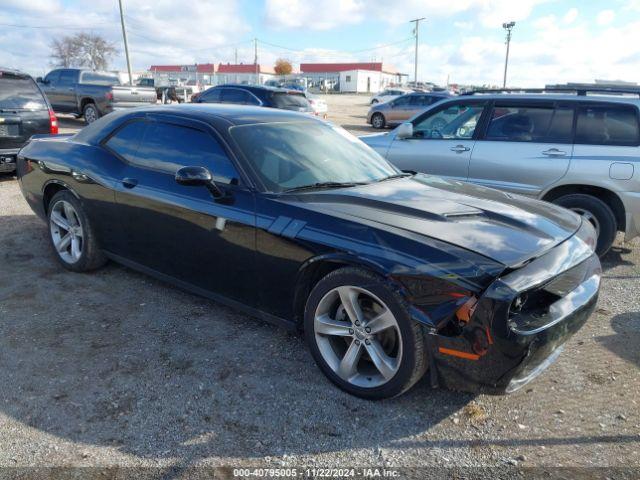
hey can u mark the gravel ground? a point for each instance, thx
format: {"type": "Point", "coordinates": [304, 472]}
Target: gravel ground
{"type": "Point", "coordinates": [114, 368]}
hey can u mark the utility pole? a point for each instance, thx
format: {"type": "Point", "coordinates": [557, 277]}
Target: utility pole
{"type": "Point", "coordinates": [126, 44]}
{"type": "Point", "coordinates": [415, 66]}
{"type": "Point", "coordinates": [508, 27]}
{"type": "Point", "coordinates": [255, 60]}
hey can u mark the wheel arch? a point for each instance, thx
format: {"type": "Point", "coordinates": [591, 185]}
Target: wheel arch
{"type": "Point", "coordinates": [607, 196]}
{"type": "Point", "coordinates": [52, 187]}
{"type": "Point", "coordinates": [315, 268]}
{"type": "Point", "coordinates": [84, 101]}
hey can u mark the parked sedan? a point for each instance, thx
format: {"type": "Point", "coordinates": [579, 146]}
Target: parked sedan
{"type": "Point", "coordinates": [24, 111]}
{"type": "Point", "coordinates": [258, 95]}
{"type": "Point", "coordinates": [296, 221]}
{"type": "Point", "coordinates": [402, 108]}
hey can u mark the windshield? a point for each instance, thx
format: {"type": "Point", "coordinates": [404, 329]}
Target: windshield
{"type": "Point", "coordinates": [99, 78]}
{"type": "Point", "coordinates": [291, 101]}
{"type": "Point", "coordinates": [19, 92]}
{"type": "Point", "coordinates": [289, 155]}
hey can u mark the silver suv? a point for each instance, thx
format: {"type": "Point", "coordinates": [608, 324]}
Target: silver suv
{"type": "Point", "coordinates": [576, 150]}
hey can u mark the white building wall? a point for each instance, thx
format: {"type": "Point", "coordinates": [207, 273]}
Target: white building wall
{"type": "Point", "coordinates": [360, 81]}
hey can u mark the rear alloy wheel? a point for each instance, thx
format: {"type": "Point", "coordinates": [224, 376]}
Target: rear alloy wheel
{"type": "Point", "coordinates": [362, 336]}
{"type": "Point", "coordinates": [598, 213]}
{"type": "Point", "coordinates": [378, 121]}
{"type": "Point", "coordinates": [71, 234]}
{"type": "Point", "coordinates": [90, 113]}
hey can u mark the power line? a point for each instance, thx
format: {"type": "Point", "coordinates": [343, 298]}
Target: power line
{"type": "Point", "coordinates": [54, 27]}
{"type": "Point", "coordinates": [342, 51]}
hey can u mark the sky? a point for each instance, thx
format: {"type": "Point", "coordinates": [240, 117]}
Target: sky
{"type": "Point", "coordinates": [461, 40]}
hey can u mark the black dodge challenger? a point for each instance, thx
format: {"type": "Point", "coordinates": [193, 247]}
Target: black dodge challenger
{"type": "Point", "coordinates": [389, 274]}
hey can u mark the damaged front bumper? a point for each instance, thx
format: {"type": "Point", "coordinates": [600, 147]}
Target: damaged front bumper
{"type": "Point", "coordinates": [522, 321]}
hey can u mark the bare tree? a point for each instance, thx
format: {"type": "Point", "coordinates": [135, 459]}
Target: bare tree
{"type": "Point", "coordinates": [82, 50]}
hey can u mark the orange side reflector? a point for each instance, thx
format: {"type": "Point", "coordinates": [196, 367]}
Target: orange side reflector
{"type": "Point", "coordinates": [458, 353]}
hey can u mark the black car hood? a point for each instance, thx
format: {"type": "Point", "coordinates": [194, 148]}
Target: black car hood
{"type": "Point", "coordinates": [507, 228]}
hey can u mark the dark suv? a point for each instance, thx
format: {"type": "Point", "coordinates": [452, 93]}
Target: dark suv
{"type": "Point", "coordinates": [258, 95]}
{"type": "Point", "coordinates": [24, 111]}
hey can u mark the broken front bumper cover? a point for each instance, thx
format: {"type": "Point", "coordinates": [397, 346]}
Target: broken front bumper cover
{"type": "Point", "coordinates": [503, 349]}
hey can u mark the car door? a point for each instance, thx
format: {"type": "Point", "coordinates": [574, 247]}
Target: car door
{"type": "Point", "coordinates": [606, 143]}
{"type": "Point", "coordinates": [50, 88]}
{"type": "Point", "coordinates": [443, 139]}
{"type": "Point", "coordinates": [398, 109]}
{"type": "Point", "coordinates": [526, 147]}
{"type": "Point", "coordinates": [66, 91]}
{"type": "Point", "coordinates": [183, 231]}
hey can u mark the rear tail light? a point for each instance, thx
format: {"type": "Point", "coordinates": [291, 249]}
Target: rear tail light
{"type": "Point", "coordinates": [108, 96]}
{"type": "Point", "coordinates": [53, 123]}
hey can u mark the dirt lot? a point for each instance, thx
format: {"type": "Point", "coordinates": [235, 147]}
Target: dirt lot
{"type": "Point", "coordinates": [116, 369]}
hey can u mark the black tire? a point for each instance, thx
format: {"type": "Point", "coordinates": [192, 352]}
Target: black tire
{"type": "Point", "coordinates": [602, 215]}
{"type": "Point", "coordinates": [378, 120]}
{"type": "Point", "coordinates": [90, 113]}
{"type": "Point", "coordinates": [91, 257]}
{"type": "Point", "coordinates": [413, 361]}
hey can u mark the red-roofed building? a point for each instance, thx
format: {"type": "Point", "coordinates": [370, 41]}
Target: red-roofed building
{"type": "Point", "coordinates": [244, 73]}
{"type": "Point", "coordinates": [352, 77]}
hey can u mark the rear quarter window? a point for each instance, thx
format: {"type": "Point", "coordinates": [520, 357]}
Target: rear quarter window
{"type": "Point", "coordinates": [608, 125]}
{"type": "Point", "coordinates": [20, 92]}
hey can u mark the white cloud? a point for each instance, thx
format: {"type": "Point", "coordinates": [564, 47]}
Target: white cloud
{"type": "Point", "coordinates": [160, 31]}
{"type": "Point", "coordinates": [570, 16]}
{"type": "Point", "coordinates": [323, 15]}
{"type": "Point", "coordinates": [326, 14]}
{"type": "Point", "coordinates": [605, 17]}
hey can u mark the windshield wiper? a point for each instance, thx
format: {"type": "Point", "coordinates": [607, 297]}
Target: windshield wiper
{"type": "Point", "coordinates": [397, 175]}
{"type": "Point", "coordinates": [322, 185]}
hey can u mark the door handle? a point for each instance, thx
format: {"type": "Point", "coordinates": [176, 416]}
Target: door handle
{"type": "Point", "coordinates": [129, 182]}
{"type": "Point", "coordinates": [459, 149]}
{"type": "Point", "coordinates": [70, 89]}
{"type": "Point", "coordinates": [554, 152]}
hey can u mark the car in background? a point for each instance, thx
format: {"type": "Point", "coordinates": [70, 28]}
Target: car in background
{"type": "Point", "coordinates": [294, 220]}
{"type": "Point", "coordinates": [319, 106]}
{"type": "Point", "coordinates": [576, 150]}
{"type": "Point", "coordinates": [256, 95]}
{"type": "Point", "coordinates": [388, 94]}
{"type": "Point", "coordinates": [24, 111]}
{"type": "Point", "coordinates": [396, 111]}
{"type": "Point", "coordinates": [92, 94]}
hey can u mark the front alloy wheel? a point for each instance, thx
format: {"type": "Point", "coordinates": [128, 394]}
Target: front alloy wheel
{"type": "Point", "coordinates": [361, 334]}
{"type": "Point", "coordinates": [358, 336]}
{"type": "Point", "coordinates": [378, 121]}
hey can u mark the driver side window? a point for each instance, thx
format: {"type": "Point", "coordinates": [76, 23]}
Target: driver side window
{"type": "Point", "coordinates": [453, 122]}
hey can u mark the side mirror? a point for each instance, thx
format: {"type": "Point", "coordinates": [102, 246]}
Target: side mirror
{"type": "Point", "coordinates": [405, 130]}
{"type": "Point", "coordinates": [198, 177]}
{"type": "Point", "coordinates": [40, 80]}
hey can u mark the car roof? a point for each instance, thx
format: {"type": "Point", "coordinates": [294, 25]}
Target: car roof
{"type": "Point", "coordinates": [13, 71]}
{"type": "Point", "coordinates": [555, 97]}
{"type": "Point", "coordinates": [255, 87]}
